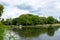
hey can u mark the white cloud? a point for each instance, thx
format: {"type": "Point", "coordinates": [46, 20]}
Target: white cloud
{"type": "Point", "coordinates": [45, 7]}
{"type": "Point", "coordinates": [12, 12]}
{"type": "Point", "coordinates": [57, 5]}
{"type": "Point", "coordinates": [11, 2]}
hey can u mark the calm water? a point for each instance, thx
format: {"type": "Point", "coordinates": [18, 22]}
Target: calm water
{"type": "Point", "coordinates": [51, 33]}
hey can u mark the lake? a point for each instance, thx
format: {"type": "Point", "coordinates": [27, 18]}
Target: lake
{"type": "Point", "coordinates": [42, 33]}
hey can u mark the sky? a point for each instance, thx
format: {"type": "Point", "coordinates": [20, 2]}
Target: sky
{"type": "Point", "coordinates": [15, 8]}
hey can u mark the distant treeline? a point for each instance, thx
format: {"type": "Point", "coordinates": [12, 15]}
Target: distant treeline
{"type": "Point", "coordinates": [29, 19]}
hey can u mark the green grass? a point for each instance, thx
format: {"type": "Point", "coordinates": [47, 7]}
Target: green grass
{"type": "Point", "coordinates": [3, 28]}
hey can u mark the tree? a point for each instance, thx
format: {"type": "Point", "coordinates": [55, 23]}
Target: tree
{"type": "Point", "coordinates": [2, 21]}
{"type": "Point", "coordinates": [56, 21]}
{"type": "Point", "coordinates": [43, 20]}
{"type": "Point", "coordinates": [25, 19]}
{"type": "Point", "coordinates": [35, 19]}
{"type": "Point", "coordinates": [8, 22]}
{"type": "Point", "coordinates": [29, 19]}
{"type": "Point", "coordinates": [1, 9]}
{"type": "Point", "coordinates": [50, 20]}
{"type": "Point", "coordinates": [15, 21]}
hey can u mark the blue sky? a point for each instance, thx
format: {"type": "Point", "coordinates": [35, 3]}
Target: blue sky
{"type": "Point", "coordinates": [14, 8]}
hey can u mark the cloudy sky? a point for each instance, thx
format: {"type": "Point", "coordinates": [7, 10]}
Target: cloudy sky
{"type": "Point", "coordinates": [14, 8]}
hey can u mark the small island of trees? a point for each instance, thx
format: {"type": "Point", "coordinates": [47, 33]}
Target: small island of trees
{"type": "Point", "coordinates": [29, 19]}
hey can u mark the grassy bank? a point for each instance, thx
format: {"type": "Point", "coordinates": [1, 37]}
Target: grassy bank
{"type": "Point", "coordinates": [33, 26]}
{"type": "Point", "coordinates": [44, 25]}
{"type": "Point", "coordinates": [3, 28]}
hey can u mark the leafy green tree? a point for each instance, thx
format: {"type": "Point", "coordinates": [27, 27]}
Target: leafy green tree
{"type": "Point", "coordinates": [1, 9]}
{"type": "Point", "coordinates": [25, 19]}
{"type": "Point", "coordinates": [35, 19]}
{"type": "Point", "coordinates": [8, 22]}
{"type": "Point", "coordinates": [50, 20]}
{"type": "Point", "coordinates": [2, 21]}
{"type": "Point", "coordinates": [55, 20]}
{"type": "Point", "coordinates": [15, 21]}
{"type": "Point", "coordinates": [42, 20]}
{"type": "Point", "coordinates": [2, 27]}
{"type": "Point", "coordinates": [29, 19]}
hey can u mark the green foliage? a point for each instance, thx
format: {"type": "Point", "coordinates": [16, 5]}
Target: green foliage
{"type": "Point", "coordinates": [36, 31]}
{"type": "Point", "coordinates": [42, 20]}
{"type": "Point", "coordinates": [2, 31]}
{"type": "Point", "coordinates": [50, 20]}
{"type": "Point", "coordinates": [35, 20]}
{"type": "Point", "coordinates": [7, 22]}
{"type": "Point", "coordinates": [1, 9]}
{"type": "Point", "coordinates": [15, 21]}
{"type": "Point", "coordinates": [25, 19]}
{"type": "Point", "coordinates": [29, 19]}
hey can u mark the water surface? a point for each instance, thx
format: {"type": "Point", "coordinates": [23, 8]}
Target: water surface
{"type": "Point", "coordinates": [50, 33]}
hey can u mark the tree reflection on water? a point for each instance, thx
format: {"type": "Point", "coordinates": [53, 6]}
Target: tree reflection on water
{"type": "Point", "coordinates": [34, 32]}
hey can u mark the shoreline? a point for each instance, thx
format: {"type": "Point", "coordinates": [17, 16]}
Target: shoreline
{"type": "Point", "coordinates": [44, 25]}
{"type": "Point", "coordinates": [34, 26]}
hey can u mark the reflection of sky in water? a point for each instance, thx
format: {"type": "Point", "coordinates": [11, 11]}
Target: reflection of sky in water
{"type": "Point", "coordinates": [46, 37]}
{"type": "Point", "coordinates": [12, 33]}
{"type": "Point", "coordinates": [43, 36]}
